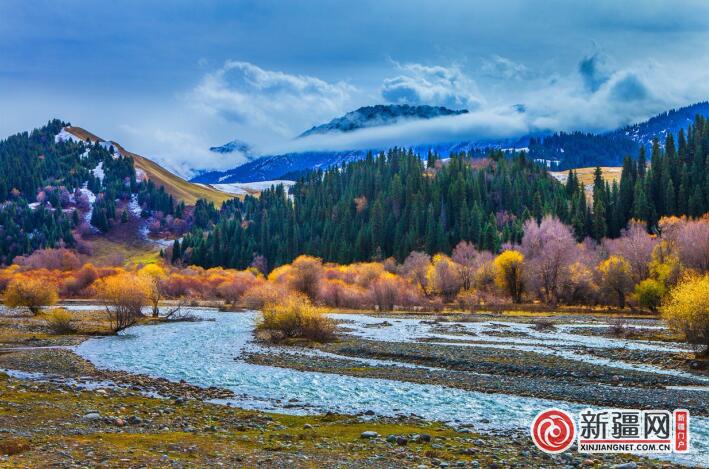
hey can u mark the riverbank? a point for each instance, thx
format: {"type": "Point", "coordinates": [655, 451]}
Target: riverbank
{"type": "Point", "coordinates": [74, 414]}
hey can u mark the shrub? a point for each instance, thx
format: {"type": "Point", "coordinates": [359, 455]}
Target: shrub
{"type": "Point", "coordinates": [468, 300]}
{"type": "Point", "coordinates": [302, 275]}
{"type": "Point", "coordinates": [648, 293]}
{"type": "Point", "coordinates": [305, 275]}
{"type": "Point", "coordinates": [686, 309]}
{"type": "Point", "coordinates": [83, 278]}
{"type": "Point", "coordinates": [338, 294]}
{"type": "Point", "coordinates": [233, 289]}
{"type": "Point", "coordinates": [31, 293]}
{"type": "Point", "coordinates": [52, 259]}
{"type": "Point", "coordinates": [13, 445]}
{"type": "Point", "coordinates": [261, 294]}
{"type": "Point", "coordinates": [295, 317]}
{"type": "Point", "coordinates": [509, 273]}
{"type": "Point", "coordinates": [59, 321]}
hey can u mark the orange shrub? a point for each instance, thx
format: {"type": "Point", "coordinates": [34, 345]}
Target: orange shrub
{"type": "Point", "coordinates": [234, 287]}
{"type": "Point", "coordinates": [263, 293]}
{"type": "Point", "coordinates": [30, 292]}
{"type": "Point", "coordinates": [77, 284]}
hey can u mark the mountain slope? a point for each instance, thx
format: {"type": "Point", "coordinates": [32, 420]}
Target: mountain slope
{"type": "Point", "coordinates": [665, 123]}
{"type": "Point", "coordinates": [174, 185]}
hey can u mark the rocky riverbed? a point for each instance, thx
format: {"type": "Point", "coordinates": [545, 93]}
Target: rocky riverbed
{"type": "Point", "coordinates": [61, 410]}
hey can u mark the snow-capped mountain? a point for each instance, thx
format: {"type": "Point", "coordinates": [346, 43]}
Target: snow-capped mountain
{"type": "Point", "coordinates": [234, 146]}
{"type": "Point", "coordinates": [381, 114]}
{"type": "Point", "coordinates": [558, 150]}
{"type": "Point", "coordinates": [663, 124]}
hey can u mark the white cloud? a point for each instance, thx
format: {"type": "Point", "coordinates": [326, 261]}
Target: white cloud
{"type": "Point", "coordinates": [434, 85]}
{"type": "Point", "coordinates": [283, 103]}
{"type": "Point", "coordinates": [179, 151]}
{"type": "Point", "coordinates": [477, 125]}
{"type": "Point", "coordinates": [503, 68]}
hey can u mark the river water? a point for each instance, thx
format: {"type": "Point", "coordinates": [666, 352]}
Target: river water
{"type": "Point", "coordinates": [208, 353]}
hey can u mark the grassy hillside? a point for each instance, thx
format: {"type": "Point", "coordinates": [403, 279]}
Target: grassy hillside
{"type": "Point", "coordinates": [175, 185]}
{"type": "Point", "coordinates": [585, 175]}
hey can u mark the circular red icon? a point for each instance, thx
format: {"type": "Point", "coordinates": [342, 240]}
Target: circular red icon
{"type": "Point", "coordinates": [553, 431]}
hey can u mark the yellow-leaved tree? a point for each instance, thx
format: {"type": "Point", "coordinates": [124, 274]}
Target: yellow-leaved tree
{"type": "Point", "coordinates": [686, 309]}
{"type": "Point", "coordinates": [154, 277]}
{"type": "Point", "coordinates": [31, 293]}
{"type": "Point", "coordinates": [616, 278]}
{"type": "Point", "coordinates": [508, 276]}
{"type": "Point", "coordinates": [124, 296]}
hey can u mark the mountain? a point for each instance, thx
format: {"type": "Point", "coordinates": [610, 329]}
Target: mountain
{"type": "Point", "coordinates": [174, 185]}
{"type": "Point", "coordinates": [665, 123]}
{"type": "Point", "coordinates": [379, 115]}
{"type": "Point", "coordinates": [234, 146]}
{"type": "Point", "coordinates": [559, 151]}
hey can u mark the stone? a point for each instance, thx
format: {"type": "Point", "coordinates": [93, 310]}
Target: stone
{"type": "Point", "coordinates": [627, 465]}
{"type": "Point", "coordinates": [135, 420]}
{"type": "Point", "coordinates": [401, 441]}
{"type": "Point", "coordinates": [369, 412]}
{"type": "Point", "coordinates": [307, 426]}
{"type": "Point", "coordinates": [119, 422]}
{"type": "Point", "coordinates": [92, 416]}
{"type": "Point", "coordinates": [369, 434]}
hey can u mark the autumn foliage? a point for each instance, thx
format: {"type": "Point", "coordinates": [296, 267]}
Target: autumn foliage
{"type": "Point", "coordinates": [686, 309]}
{"type": "Point", "coordinates": [31, 293]}
{"type": "Point", "coordinates": [295, 317]}
{"type": "Point", "coordinates": [548, 266]}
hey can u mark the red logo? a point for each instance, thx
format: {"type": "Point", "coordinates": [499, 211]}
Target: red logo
{"type": "Point", "coordinates": [553, 431]}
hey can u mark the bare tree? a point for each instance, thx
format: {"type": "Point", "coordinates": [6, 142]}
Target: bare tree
{"type": "Point", "coordinates": [548, 248]}
{"type": "Point", "coordinates": [415, 267]}
{"type": "Point", "coordinates": [635, 245]}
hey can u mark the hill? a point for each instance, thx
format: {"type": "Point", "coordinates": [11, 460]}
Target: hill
{"type": "Point", "coordinates": [179, 188]}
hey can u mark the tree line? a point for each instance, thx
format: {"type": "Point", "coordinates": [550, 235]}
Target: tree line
{"type": "Point", "coordinates": [395, 203]}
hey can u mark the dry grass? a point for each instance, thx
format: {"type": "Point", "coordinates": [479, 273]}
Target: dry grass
{"type": "Point", "coordinates": [175, 185]}
{"type": "Point", "coordinates": [585, 175]}
{"type": "Point", "coordinates": [60, 321]}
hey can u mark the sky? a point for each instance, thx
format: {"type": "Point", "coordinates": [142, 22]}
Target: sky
{"type": "Point", "coordinates": [170, 79]}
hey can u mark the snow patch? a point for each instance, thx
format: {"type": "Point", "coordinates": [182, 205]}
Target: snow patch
{"type": "Point", "coordinates": [134, 206]}
{"type": "Point", "coordinates": [64, 136]}
{"type": "Point", "coordinates": [92, 199]}
{"type": "Point", "coordinates": [98, 171]}
{"type": "Point", "coordinates": [140, 175]}
{"type": "Point", "coordinates": [242, 188]}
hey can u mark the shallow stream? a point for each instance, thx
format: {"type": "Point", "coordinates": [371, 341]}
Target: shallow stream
{"type": "Point", "coordinates": [208, 353]}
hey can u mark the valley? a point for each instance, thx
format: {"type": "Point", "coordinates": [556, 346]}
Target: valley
{"type": "Point", "coordinates": [173, 393]}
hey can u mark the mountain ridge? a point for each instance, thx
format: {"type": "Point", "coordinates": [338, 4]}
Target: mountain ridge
{"type": "Point", "coordinates": [380, 115]}
{"type": "Point", "coordinates": [559, 151]}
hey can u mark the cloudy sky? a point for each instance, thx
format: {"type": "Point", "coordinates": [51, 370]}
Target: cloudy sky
{"type": "Point", "coordinates": [170, 79]}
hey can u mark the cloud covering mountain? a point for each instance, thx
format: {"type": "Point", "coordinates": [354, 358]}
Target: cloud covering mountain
{"type": "Point", "coordinates": [173, 80]}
